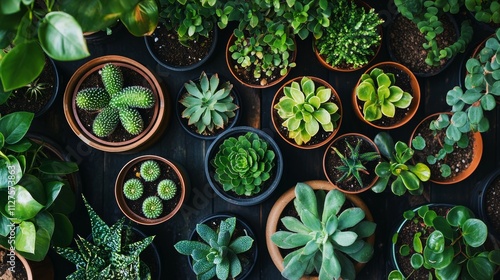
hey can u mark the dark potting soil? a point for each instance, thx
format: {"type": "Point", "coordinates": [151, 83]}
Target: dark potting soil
{"type": "Point", "coordinates": [492, 204]}
{"type": "Point", "coordinates": [130, 78]}
{"type": "Point", "coordinates": [21, 100]}
{"type": "Point", "coordinates": [167, 48]}
{"type": "Point", "coordinates": [459, 160]}
{"type": "Point", "coordinates": [150, 189]}
{"type": "Point", "coordinates": [402, 81]}
{"type": "Point", "coordinates": [19, 272]}
{"type": "Point", "coordinates": [405, 43]}
{"type": "Point", "coordinates": [333, 160]}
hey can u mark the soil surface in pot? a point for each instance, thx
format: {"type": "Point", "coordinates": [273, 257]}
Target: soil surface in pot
{"type": "Point", "coordinates": [402, 81]}
{"type": "Point", "coordinates": [409, 51]}
{"type": "Point", "coordinates": [130, 78]}
{"type": "Point", "coordinates": [333, 160]}
{"type": "Point", "coordinates": [492, 202]}
{"type": "Point", "coordinates": [22, 100]}
{"type": "Point", "coordinates": [459, 160]}
{"type": "Point", "coordinates": [19, 272]}
{"type": "Point", "coordinates": [150, 189]}
{"type": "Point", "coordinates": [167, 48]}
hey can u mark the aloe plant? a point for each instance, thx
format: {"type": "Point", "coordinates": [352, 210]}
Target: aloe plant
{"type": "Point", "coordinates": [326, 238]}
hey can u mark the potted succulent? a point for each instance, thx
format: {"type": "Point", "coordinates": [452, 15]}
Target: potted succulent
{"type": "Point", "coordinates": [116, 252]}
{"type": "Point", "coordinates": [484, 11]}
{"type": "Point", "coordinates": [437, 37]}
{"type": "Point", "coordinates": [442, 241]}
{"type": "Point", "coordinates": [349, 163]}
{"type": "Point", "coordinates": [243, 165]}
{"type": "Point", "coordinates": [327, 222]}
{"type": "Point", "coordinates": [320, 112]}
{"type": "Point", "coordinates": [30, 171]}
{"type": "Point", "coordinates": [207, 106]}
{"type": "Point", "coordinates": [352, 40]}
{"type": "Point", "coordinates": [222, 246]}
{"type": "Point", "coordinates": [13, 265]}
{"type": "Point", "coordinates": [150, 189]}
{"type": "Point", "coordinates": [384, 102]}
{"type": "Point", "coordinates": [106, 104]}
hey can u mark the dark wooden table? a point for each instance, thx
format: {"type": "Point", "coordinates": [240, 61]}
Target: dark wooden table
{"type": "Point", "coordinates": [98, 170]}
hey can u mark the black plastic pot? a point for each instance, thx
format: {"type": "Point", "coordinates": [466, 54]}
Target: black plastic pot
{"type": "Point", "coordinates": [231, 197]}
{"type": "Point", "coordinates": [478, 200]}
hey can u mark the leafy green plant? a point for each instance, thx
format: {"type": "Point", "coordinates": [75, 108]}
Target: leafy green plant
{"type": "Point", "coordinates": [426, 15]}
{"type": "Point", "coordinates": [166, 189]}
{"type": "Point", "coordinates": [150, 170]}
{"type": "Point", "coordinates": [450, 247]}
{"type": "Point", "coordinates": [325, 238]}
{"type": "Point", "coordinates": [209, 104]}
{"type": "Point", "coordinates": [487, 11]}
{"type": "Point", "coordinates": [244, 164]}
{"type": "Point", "coordinates": [216, 254]}
{"type": "Point", "coordinates": [353, 162]}
{"type": "Point", "coordinates": [110, 254]}
{"type": "Point", "coordinates": [152, 207]}
{"type": "Point", "coordinates": [351, 39]}
{"type": "Point", "coordinates": [404, 176]}
{"type": "Point", "coordinates": [133, 189]}
{"type": "Point", "coordinates": [115, 104]}
{"type": "Point", "coordinates": [35, 196]}
{"type": "Point", "coordinates": [305, 107]}
{"type": "Point", "coordinates": [380, 95]}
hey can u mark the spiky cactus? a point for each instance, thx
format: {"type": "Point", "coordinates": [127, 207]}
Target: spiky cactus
{"type": "Point", "coordinates": [152, 207]}
{"type": "Point", "coordinates": [133, 189]}
{"type": "Point", "coordinates": [166, 189]}
{"type": "Point", "coordinates": [115, 104]}
{"type": "Point", "coordinates": [150, 170]}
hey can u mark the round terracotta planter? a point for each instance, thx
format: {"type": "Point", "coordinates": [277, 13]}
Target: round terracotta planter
{"type": "Point", "coordinates": [277, 121]}
{"type": "Point", "coordinates": [122, 201]}
{"type": "Point", "coordinates": [415, 92]}
{"type": "Point", "coordinates": [477, 152]}
{"type": "Point", "coordinates": [288, 197]}
{"type": "Point", "coordinates": [152, 130]}
{"type": "Point", "coordinates": [24, 262]}
{"type": "Point", "coordinates": [231, 64]}
{"type": "Point", "coordinates": [330, 153]}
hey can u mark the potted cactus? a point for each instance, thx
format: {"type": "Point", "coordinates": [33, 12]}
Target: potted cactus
{"type": "Point", "coordinates": [384, 102]}
{"type": "Point", "coordinates": [207, 106]}
{"type": "Point", "coordinates": [222, 246]}
{"type": "Point", "coordinates": [243, 165]}
{"type": "Point", "coordinates": [320, 112]}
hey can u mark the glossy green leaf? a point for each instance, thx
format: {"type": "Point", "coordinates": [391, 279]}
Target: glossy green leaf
{"type": "Point", "coordinates": [21, 65]}
{"type": "Point", "coordinates": [26, 237]}
{"type": "Point", "coordinates": [142, 19]}
{"type": "Point", "coordinates": [42, 244]}
{"type": "Point", "coordinates": [421, 170]}
{"type": "Point", "coordinates": [458, 215]}
{"type": "Point", "coordinates": [474, 232]}
{"type": "Point", "coordinates": [480, 268]}
{"type": "Point", "coordinates": [436, 242]}
{"type": "Point", "coordinates": [417, 260]}
{"type": "Point", "coordinates": [385, 144]}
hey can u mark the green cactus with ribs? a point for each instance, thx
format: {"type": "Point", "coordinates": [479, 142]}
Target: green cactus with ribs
{"type": "Point", "coordinates": [115, 103]}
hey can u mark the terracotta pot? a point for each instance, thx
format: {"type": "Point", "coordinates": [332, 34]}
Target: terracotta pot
{"type": "Point", "coordinates": [288, 197]}
{"type": "Point", "coordinates": [415, 92]}
{"type": "Point", "coordinates": [24, 262]}
{"type": "Point", "coordinates": [122, 202]}
{"type": "Point", "coordinates": [329, 153]}
{"type": "Point", "coordinates": [152, 130]}
{"type": "Point", "coordinates": [277, 121]}
{"type": "Point", "coordinates": [231, 64]}
{"type": "Point", "coordinates": [477, 153]}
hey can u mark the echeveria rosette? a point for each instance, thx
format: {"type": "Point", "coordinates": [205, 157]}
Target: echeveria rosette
{"type": "Point", "coordinates": [243, 164]}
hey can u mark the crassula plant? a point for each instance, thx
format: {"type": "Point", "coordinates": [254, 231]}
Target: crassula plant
{"type": "Point", "coordinates": [448, 247]}
{"type": "Point", "coordinates": [115, 103]}
{"type": "Point", "coordinates": [325, 238]}
{"type": "Point", "coordinates": [243, 164]}
{"type": "Point", "coordinates": [305, 107]}
{"type": "Point", "coordinates": [216, 253]}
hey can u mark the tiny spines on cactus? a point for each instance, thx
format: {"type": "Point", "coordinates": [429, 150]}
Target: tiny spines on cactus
{"type": "Point", "coordinates": [135, 97]}
{"type": "Point", "coordinates": [150, 170]}
{"type": "Point", "coordinates": [92, 99]}
{"type": "Point", "coordinates": [105, 122]}
{"type": "Point", "coordinates": [167, 189]}
{"type": "Point", "coordinates": [152, 207]}
{"type": "Point", "coordinates": [131, 120]}
{"type": "Point", "coordinates": [133, 189]}
{"type": "Point", "coordinates": [112, 78]}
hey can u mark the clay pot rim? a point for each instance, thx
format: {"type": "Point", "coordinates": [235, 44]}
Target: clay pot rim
{"type": "Point", "coordinates": [24, 261]}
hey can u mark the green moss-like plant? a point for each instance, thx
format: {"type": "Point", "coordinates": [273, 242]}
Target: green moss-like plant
{"type": "Point", "coordinates": [166, 189]}
{"type": "Point", "coordinates": [152, 207]}
{"type": "Point", "coordinates": [150, 170]}
{"type": "Point", "coordinates": [133, 189]}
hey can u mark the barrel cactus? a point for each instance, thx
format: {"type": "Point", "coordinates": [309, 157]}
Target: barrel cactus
{"type": "Point", "coordinates": [152, 207]}
{"type": "Point", "coordinates": [150, 170]}
{"type": "Point", "coordinates": [166, 189]}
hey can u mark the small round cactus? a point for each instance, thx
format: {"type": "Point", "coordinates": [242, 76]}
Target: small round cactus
{"type": "Point", "coordinates": [167, 189]}
{"type": "Point", "coordinates": [133, 189]}
{"type": "Point", "coordinates": [152, 207]}
{"type": "Point", "coordinates": [150, 170]}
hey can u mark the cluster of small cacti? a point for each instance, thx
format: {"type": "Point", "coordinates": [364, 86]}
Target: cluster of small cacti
{"type": "Point", "coordinates": [133, 189]}
{"type": "Point", "coordinates": [115, 103]}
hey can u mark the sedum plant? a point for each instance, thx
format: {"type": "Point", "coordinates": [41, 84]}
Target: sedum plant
{"type": "Point", "coordinates": [487, 11]}
{"type": "Point", "coordinates": [351, 39]}
{"type": "Point", "coordinates": [450, 247]}
{"type": "Point", "coordinates": [115, 103]}
{"type": "Point", "coordinates": [110, 254]}
{"type": "Point", "coordinates": [244, 164]}
{"type": "Point", "coordinates": [380, 95]}
{"type": "Point", "coordinates": [324, 238]}
{"type": "Point", "coordinates": [208, 104]}
{"type": "Point", "coordinates": [305, 108]}
{"type": "Point", "coordinates": [402, 175]}
{"type": "Point", "coordinates": [150, 170]}
{"type": "Point", "coordinates": [216, 254]}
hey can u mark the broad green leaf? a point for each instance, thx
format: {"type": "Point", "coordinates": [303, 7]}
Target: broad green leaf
{"type": "Point", "coordinates": [436, 242]}
{"type": "Point", "coordinates": [474, 232]}
{"type": "Point", "coordinates": [26, 237]}
{"type": "Point", "coordinates": [42, 244]}
{"type": "Point", "coordinates": [417, 260]}
{"type": "Point", "coordinates": [480, 268]}
{"type": "Point", "coordinates": [364, 91]}
{"type": "Point", "coordinates": [458, 215]}
{"type": "Point", "coordinates": [21, 65]}
{"type": "Point", "coordinates": [410, 180]}
{"type": "Point", "coordinates": [63, 230]}
{"type": "Point", "coordinates": [142, 19]}
{"type": "Point", "coordinates": [26, 207]}
{"type": "Point", "coordinates": [421, 170]}
{"type": "Point", "coordinates": [451, 271]}
{"type": "Point", "coordinates": [350, 217]}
